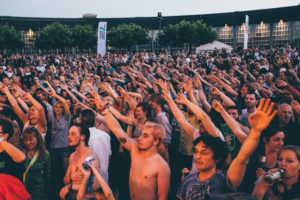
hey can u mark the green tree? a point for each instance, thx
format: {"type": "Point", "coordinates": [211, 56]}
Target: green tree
{"type": "Point", "coordinates": [54, 36]}
{"type": "Point", "coordinates": [192, 33]}
{"type": "Point", "coordinates": [10, 38]}
{"type": "Point", "coordinates": [84, 36]}
{"type": "Point", "coordinates": [168, 35]}
{"type": "Point", "coordinates": [126, 35]}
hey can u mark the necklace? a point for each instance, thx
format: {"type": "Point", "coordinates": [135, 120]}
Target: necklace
{"type": "Point", "coordinates": [30, 154]}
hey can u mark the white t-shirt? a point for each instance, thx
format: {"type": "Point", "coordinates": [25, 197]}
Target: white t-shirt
{"type": "Point", "coordinates": [99, 142]}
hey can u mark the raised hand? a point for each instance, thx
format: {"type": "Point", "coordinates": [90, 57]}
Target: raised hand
{"type": "Point", "coordinates": [131, 117]}
{"type": "Point", "coordinates": [213, 77]}
{"type": "Point", "coordinates": [140, 76]}
{"type": "Point", "coordinates": [296, 106]}
{"type": "Point", "coordinates": [166, 93]}
{"type": "Point", "coordinates": [281, 83]}
{"type": "Point", "coordinates": [3, 88]}
{"type": "Point", "coordinates": [260, 172]}
{"type": "Point", "coordinates": [181, 98]}
{"type": "Point", "coordinates": [214, 91]}
{"type": "Point", "coordinates": [64, 87]}
{"type": "Point", "coordinates": [15, 90]}
{"type": "Point", "coordinates": [161, 83]}
{"type": "Point", "coordinates": [105, 86]}
{"type": "Point", "coordinates": [217, 106]}
{"type": "Point", "coordinates": [188, 86]}
{"type": "Point", "coordinates": [197, 83]}
{"type": "Point", "coordinates": [27, 95]}
{"type": "Point", "coordinates": [263, 115]}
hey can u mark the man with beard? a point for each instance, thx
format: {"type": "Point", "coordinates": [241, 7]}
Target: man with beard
{"type": "Point", "coordinates": [250, 102]}
{"type": "Point", "coordinates": [156, 102]}
{"type": "Point", "coordinates": [78, 138]}
{"type": "Point", "coordinates": [291, 128]}
{"type": "Point", "coordinates": [149, 173]}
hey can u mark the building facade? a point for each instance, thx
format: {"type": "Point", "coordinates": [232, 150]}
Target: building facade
{"type": "Point", "coordinates": [276, 26]}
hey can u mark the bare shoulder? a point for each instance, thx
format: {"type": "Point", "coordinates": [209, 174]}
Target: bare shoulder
{"type": "Point", "coordinates": [72, 156]}
{"type": "Point", "coordinates": [161, 163]}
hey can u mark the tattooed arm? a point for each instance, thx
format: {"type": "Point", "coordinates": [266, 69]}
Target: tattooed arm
{"type": "Point", "coordinates": [115, 127]}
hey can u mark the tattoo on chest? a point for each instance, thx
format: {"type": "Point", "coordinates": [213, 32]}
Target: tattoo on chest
{"type": "Point", "coordinates": [122, 140]}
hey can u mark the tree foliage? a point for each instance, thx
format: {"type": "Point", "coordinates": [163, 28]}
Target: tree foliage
{"type": "Point", "coordinates": [126, 35]}
{"type": "Point", "coordinates": [192, 33]}
{"type": "Point", "coordinates": [10, 37]}
{"type": "Point", "coordinates": [84, 36]}
{"type": "Point", "coordinates": [54, 36]}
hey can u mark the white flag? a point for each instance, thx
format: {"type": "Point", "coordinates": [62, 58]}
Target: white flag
{"type": "Point", "coordinates": [101, 47]}
{"type": "Point", "coordinates": [246, 32]}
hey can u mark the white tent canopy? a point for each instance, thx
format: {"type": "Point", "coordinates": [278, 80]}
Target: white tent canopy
{"type": "Point", "coordinates": [211, 46]}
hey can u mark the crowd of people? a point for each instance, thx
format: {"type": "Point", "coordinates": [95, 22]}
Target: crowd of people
{"type": "Point", "coordinates": [151, 125]}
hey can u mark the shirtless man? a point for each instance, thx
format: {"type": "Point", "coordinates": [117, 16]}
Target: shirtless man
{"type": "Point", "coordinates": [149, 173]}
{"type": "Point", "coordinates": [79, 135]}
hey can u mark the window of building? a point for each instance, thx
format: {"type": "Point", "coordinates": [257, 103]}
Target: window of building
{"type": "Point", "coordinates": [225, 34]}
{"type": "Point", "coordinates": [281, 33]}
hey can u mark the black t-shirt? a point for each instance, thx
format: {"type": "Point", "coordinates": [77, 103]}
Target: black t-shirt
{"type": "Point", "coordinates": [8, 166]}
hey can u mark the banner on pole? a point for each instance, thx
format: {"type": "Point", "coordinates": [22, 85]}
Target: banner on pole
{"type": "Point", "coordinates": [101, 46]}
{"type": "Point", "coordinates": [246, 32]}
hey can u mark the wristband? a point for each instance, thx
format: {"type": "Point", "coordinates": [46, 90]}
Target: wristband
{"type": "Point", "coordinates": [1, 138]}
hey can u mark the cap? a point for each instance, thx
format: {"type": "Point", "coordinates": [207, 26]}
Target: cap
{"type": "Point", "coordinates": [282, 70]}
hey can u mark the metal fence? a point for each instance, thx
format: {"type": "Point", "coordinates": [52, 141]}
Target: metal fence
{"type": "Point", "coordinates": [75, 51]}
{"type": "Point", "coordinates": [48, 51]}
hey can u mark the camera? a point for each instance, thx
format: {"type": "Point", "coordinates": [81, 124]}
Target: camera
{"type": "Point", "coordinates": [87, 162]}
{"type": "Point", "coordinates": [44, 85]}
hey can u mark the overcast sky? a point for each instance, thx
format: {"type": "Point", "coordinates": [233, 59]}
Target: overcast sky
{"type": "Point", "coordinates": [131, 8]}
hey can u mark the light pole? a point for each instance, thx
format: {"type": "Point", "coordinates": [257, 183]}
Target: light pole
{"type": "Point", "coordinates": [159, 15]}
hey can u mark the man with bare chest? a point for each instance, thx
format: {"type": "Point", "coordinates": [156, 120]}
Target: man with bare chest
{"type": "Point", "coordinates": [149, 173]}
{"type": "Point", "coordinates": [78, 138]}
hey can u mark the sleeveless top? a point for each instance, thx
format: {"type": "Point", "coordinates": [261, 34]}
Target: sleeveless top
{"type": "Point", "coordinates": [136, 133]}
{"type": "Point", "coordinates": [26, 125]}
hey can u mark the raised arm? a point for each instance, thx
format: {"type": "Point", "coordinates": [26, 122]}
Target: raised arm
{"type": "Point", "coordinates": [65, 87]}
{"type": "Point", "coordinates": [258, 122]}
{"type": "Point", "coordinates": [226, 100]}
{"type": "Point", "coordinates": [207, 123]}
{"type": "Point", "coordinates": [16, 154]}
{"type": "Point", "coordinates": [187, 127]}
{"type": "Point", "coordinates": [121, 117]}
{"type": "Point", "coordinates": [136, 95]}
{"type": "Point", "coordinates": [131, 102]}
{"type": "Point", "coordinates": [115, 127]}
{"type": "Point", "coordinates": [16, 92]}
{"type": "Point", "coordinates": [39, 107]}
{"type": "Point", "coordinates": [145, 81]}
{"type": "Point", "coordinates": [201, 95]}
{"type": "Point", "coordinates": [80, 95]}
{"type": "Point", "coordinates": [232, 123]}
{"type": "Point", "coordinates": [228, 88]}
{"type": "Point", "coordinates": [110, 91]}
{"type": "Point", "coordinates": [61, 99]}
{"type": "Point", "coordinates": [23, 117]}
{"type": "Point", "coordinates": [189, 89]}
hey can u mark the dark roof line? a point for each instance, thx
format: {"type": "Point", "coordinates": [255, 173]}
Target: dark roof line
{"type": "Point", "coordinates": [270, 15]}
{"type": "Point", "coordinates": [154, 17]}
